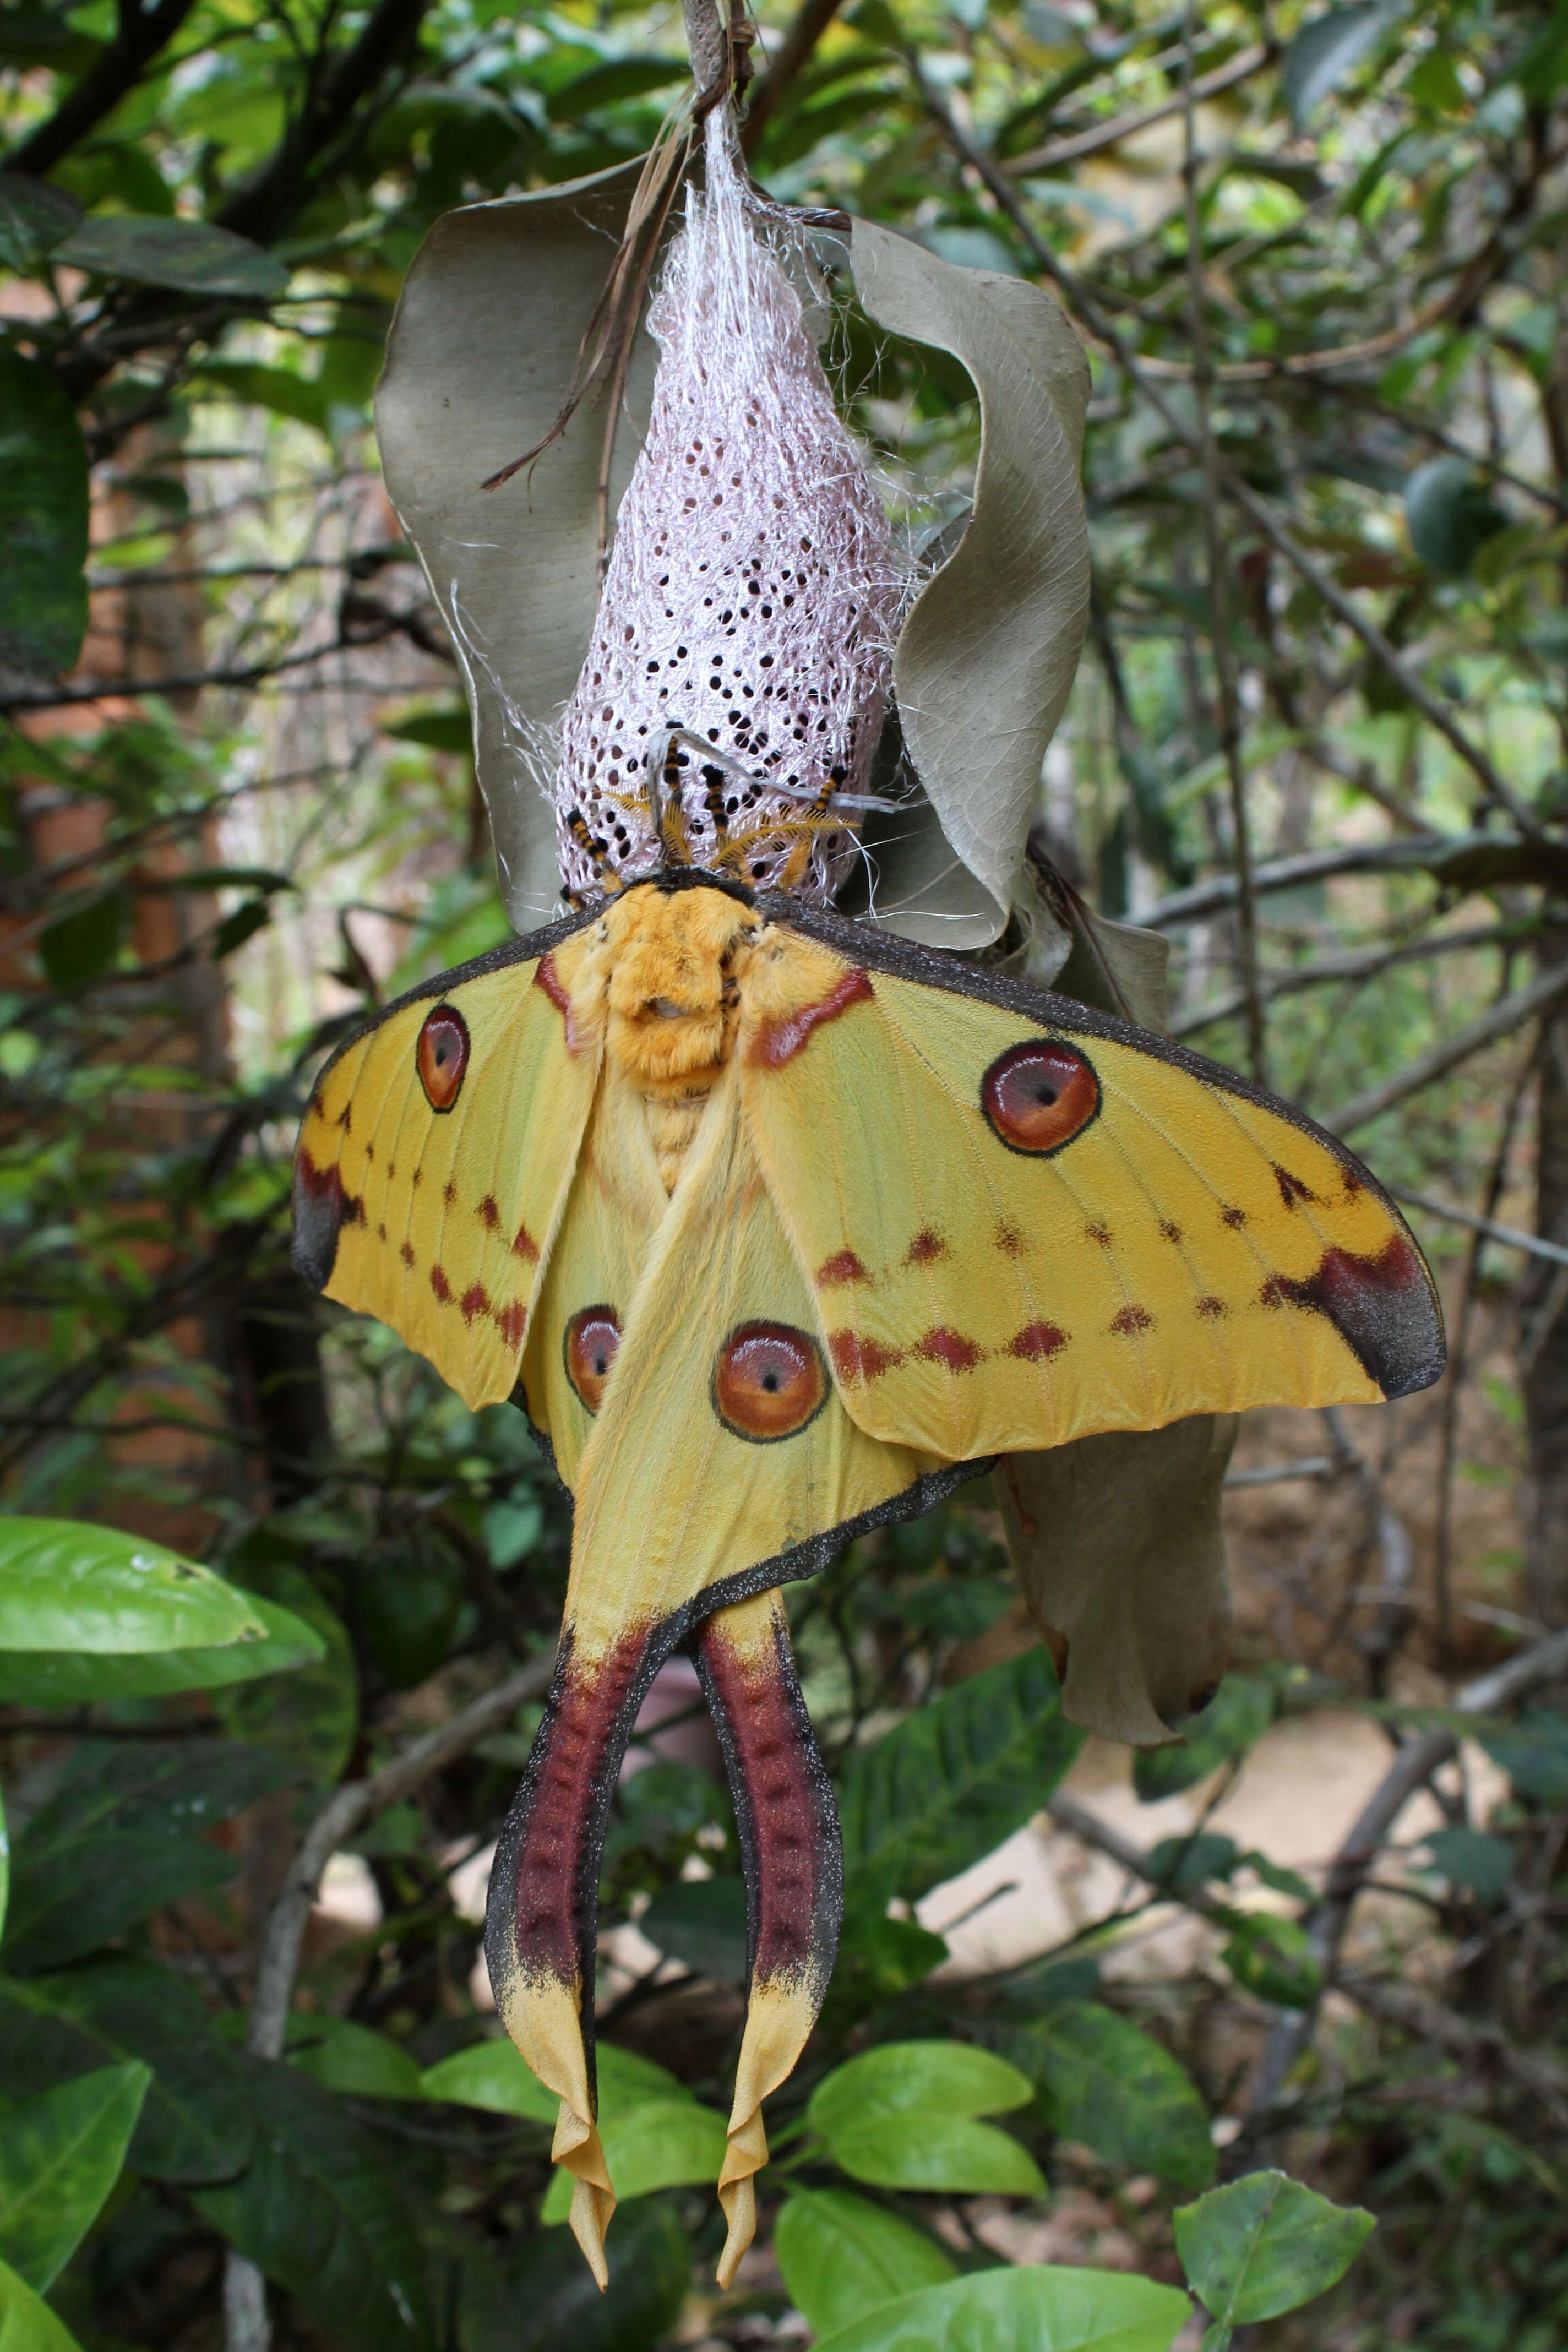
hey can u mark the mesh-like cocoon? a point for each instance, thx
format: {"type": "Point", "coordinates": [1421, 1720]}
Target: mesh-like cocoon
{"type": "Point", "coordinates": [751, 597]}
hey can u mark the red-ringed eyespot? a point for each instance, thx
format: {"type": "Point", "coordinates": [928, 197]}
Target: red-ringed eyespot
{"type": "Point", "coordinates": [1039, 1096]}
{"type": "Point", "coordinates": [441, 1056]}
{"type": "Point", "coordinates": [592, 1337]}
{"type": "Point", "coordinates": [769, 1381]}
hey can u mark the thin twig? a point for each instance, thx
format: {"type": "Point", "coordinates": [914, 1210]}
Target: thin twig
{"type": "Point", "coordinates": [1548, 988]}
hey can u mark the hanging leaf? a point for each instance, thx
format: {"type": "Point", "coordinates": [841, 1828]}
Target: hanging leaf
{"type": "Point", "coordinates": [43, 521]}
{"type": "Point", "coordinates": [987, 656]}
{"type": "Point", "coordinates": [85, 940]}
{"type": "Point", "coordinates": [1121, 1556]}
{"type": "Point", "coordinates": [1113, 2088]}
{"type": "Point", "coordinates": [479, 360]}
{"type": "Point", "coordinates": [193, 257]}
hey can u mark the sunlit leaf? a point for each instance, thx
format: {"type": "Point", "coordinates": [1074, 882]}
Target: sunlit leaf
{"type": "Point", "coordinates": [1022, 2310]}
{"type": "Point", "coordinates": [842, 2256]}
{"type": "Point", "coordinates": [65, 1585]}
{"type": "Point", "coordinates": [61, 2154]}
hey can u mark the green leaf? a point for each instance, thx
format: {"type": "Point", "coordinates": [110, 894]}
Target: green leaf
{"type": "Point", "coordinates": [1471, 1859]}
{"type": "Point", "coordinates": [197, 2123]}
{"type": "Point", "coordinates": [64, 1678]}
{"type": "Point", "coordinates": [65, 1586]}
{"type": "Point", "coordinates": [948, 1784]}
{"type": "Point", "coordinates": [1450, 514]}
{"type": "Point", "coordinates": [194, 257]}
{"type": "Point", "coordinates": [274, 388]}
{"type": "Point", "coordinates": [1185, 1864]}
{"type": "Point", "coordinates": [1022, 2310]}
{"type": "Point", "coordinates": [1273, 1957]}
{"type": "Point", "coordinates": [931, 2151]}
{"type": "Point", "coordinates": [1103, 2082]}
{"type": "Point", "coordinates": [343, 2056]}
{"type": "Point", "coordinates": [986, 654]}
{"type": "Point", "coordinates": [1264, 2245]}
{"type": "Point", "coordinates": [657, 2144]}
{"type": "Point", "coordinates": [547, 2301]}
{"type": "Point", "coordinates": [121, 1837]}
{"type": "Point", "coordinates": [318, 2212]}
{"type": "Point", "coordinates": [311, 1718]}
{"type": "Point", "coordinates": [1325, 50]}
{"type": "Point", "coordinates": [33, 217]}
{"type": "Point", "coordinates": [442, 730]}
{"type": "Point", "coordinates": [4, 1867]}
{"type": "Point", "coordinates": [1533, 1753]}
{"type": "Point", "coordinates": [902, 2117]}
{"type": "Point", "coordinates": [897, 2077]}
{"type": "Point", "coordinates": [85, 940]}
{"type": "Point", "coordinates": [43, 521]}
{"type": "Point", "coordinates": [1543, 67]}
{"type": "Point", "coordinates": [492, 2074]}
{"type": "Point", "coordinates": [1240, 1714]}
{"type": "Point", "coordinates": [61, 2154]}
{"type": "Point", "coordinates": [878, 1958]}
{"type": "Point", "coordinates": [701, 1921]}
{"type": "Point", "coordinates": [27, 2324]}
{"type": "Point", "coordinates": [842, 2256]}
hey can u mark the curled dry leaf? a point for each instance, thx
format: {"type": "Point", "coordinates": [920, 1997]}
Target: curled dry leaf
{"type": "Point", "coordinates": [480, 358]}
{"type": "Point", "coordinates": [1118, 1552]}
{"type": "Point", "coordinates": [985, 659]}
{"type": "Point", "coordinates": [479, 363]}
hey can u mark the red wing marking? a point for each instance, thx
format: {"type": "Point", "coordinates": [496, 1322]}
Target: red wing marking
{"type": "Point", "coordinates": [854, 1359]}
{"type": "Point", "coordinates": [525, 1246]}
{"type": "Point", "coordinates": [475, 1300]}
{"type": "Point", "coordinates": [1130, 1320]}
{"type": "Point", "coordinates": [511, 1321]}
{"type": "Point", "coordinates": [779, 1040]}
{"type": "Point", "coordinates": [1383, 1308]}
{"type": "Point", "coordinates": [842, 1267]}
{"type": "Point", "coordinates": [547, 978]}
{"type": "Point", "coordinates": [488, 1213]}
{"type": "Point", "coordinates": [926, 1248]}
{"type": "Point", "coordinates": [440, 1286]}
{"type": "Point", "coordinates": [949, 1349]}
{"type": "Point", "coordinates": [1035, 1342]}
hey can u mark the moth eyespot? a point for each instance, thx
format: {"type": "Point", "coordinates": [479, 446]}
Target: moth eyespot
{"type": "Point", "coordinates": [769, 1381]}
{"type": "Point", "coordinates": [441, 1056]}
{"type": "Point", "coordinates": [592, 1339]}
{"type": "Point", "coordinates": [1039, 1096]}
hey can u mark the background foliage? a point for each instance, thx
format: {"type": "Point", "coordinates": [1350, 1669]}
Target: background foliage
{"type": "Point", "coordinates": [1320, 738]}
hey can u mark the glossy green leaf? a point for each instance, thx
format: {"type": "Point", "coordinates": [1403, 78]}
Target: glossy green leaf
{"type": "Point", "coordinates": [1103, 2082]}
{"type": "Point", "coordinates": [1237, 1717]}
{"type": "Point", "coordinates": [61, 2152]}
{"type": "Point", "coordinates": [492, 2074]}
{"type": "Point", "coordinates": [946, 1786]}
{"type": "Point", "coordinates": [842, 2256]}
{"type": "Point", "coordinates": [547, 2301]}
{"type": "Point", "coordinates": [928, 2149]}
{"type": "Point", "coordinates": [65, 1678]}
{"type": "Point", "coordinates": [67, 1586]}
{"type": "Point", "coordinates": [1022, 2310]}
{"type": "Point", "coordinates": [27, 2323]}
{"type": "Point", "coordinates": [343, 2056]}
{"type": "Point", "coordinates": [1265, 2244]}
{"type": "Point", "coordinates": [1325, 50]}
{"type": "Point", "coordinates": [895, 2077]}
{"type": "Point", "coordinates": [986, 656]}
{"type": "Point", "coordinates": [197, 2122]}
{"type": "Point", "coordinates": [319, 2209]}
{"type": "Point", "coordinates": [656, 2144]}
{"type": "Point", "coordinates": [701, 1921]}
{"type": "Point", "coordinates": [43, 521]}
{"type": "Point", "coordinates": [193, 257]}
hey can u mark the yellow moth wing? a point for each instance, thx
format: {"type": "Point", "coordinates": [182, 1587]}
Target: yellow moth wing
{"type": "Point", "coordinates": [436, 1217]}
{"type": "Point", "coordinates": [1187, 1246]}
{"type": "Point", "coordinates": [697, 1482]}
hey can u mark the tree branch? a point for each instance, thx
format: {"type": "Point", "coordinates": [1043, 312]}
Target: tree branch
{"type": "Point", "coordinates": [142, 34]}
{"type": "Point", "coordinates": [1547, 989]}
{"type": "Point", "coordinates": [785, 67]}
